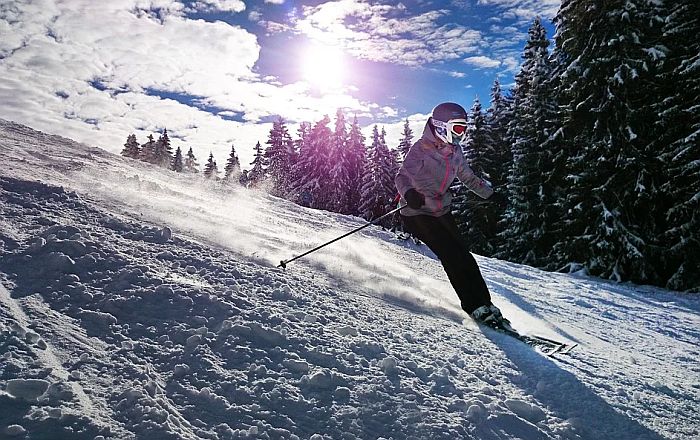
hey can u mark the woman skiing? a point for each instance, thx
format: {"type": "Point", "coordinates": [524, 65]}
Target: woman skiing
{"type": "Point", "coordinates": [423, 181]}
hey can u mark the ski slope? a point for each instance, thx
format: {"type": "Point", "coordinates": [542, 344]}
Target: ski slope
{"type": "Point", "coordinates": [139, 303]}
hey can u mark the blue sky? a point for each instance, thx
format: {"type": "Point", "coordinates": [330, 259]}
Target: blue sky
{"type": "Point", "coordinates": [217, 72]}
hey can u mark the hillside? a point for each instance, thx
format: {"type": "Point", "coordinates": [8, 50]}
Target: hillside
{"type": "Point", "coordinates": [139, 303]}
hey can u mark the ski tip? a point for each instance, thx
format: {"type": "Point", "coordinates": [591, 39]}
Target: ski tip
{"type": "Point", "coordinates": [568, 349]}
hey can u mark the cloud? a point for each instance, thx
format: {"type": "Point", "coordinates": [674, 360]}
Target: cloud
{"type": "Point", "coordinates": [524, 10]}
{"type": "Point", "coordinates": [255, 16]}
{"type": "Point", "coordinates": [219, 5]}
{"type": "Point", "coordinates": [482, 62]}
{"type": "Point", "coordinates": [104, 118]}
{"type": "Point", "coordinates": [511, 64]}
{"type": "Point", "coordinates": [388, 33]}
{"type": "Point", "coordinates": [96, 71]}
{"type": "Point", "coordinates": [394, 130]}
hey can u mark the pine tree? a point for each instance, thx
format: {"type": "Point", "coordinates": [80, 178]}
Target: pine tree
{"type": "Point", "coordinates": [498, 115]}
{"type": "Point", "coordinates": [525, 233]}
{"type": "Point", "coordinates": [232, 170]}
{"type": "Point", "coordinates": [312, 170]}
{"type": "Point", "coordinates": [131, 147]}
{"type": "Point", "coordinates": [477, 219]}
{"type": "Point", "coordinates": [177, 164]}
{"type": "Point", "coordinates": [191, 165]}
{"type": "Point", "coordinates": [299, 194]}
{"type": "Point", "coordinates": [606, 73]}
{"type": "Point", "coordinates": [357, 159]}
{"type": "Point", "coordinates": [148, 151]}
{"type": "Point", "coordinates": [211, 170]}
{"type": "Point", "coordinates": [678, 138]}
{"type": "Point", "coordinates": [389, 168]}
{"type": "Point", "coordinates": [339, 162]}
{"type": "Point", "coordinates": [499, 161]}
{"type": "Point", "coordinates": [163, 152]}
{"type": "Point", "coordinates": [257, 174]}
{"type": "Point", "coordinates": [378, 190]}
{"type": "Point", "coordinates": [406, 140]}
{"type": "Point", "coordinates": [280, 156]}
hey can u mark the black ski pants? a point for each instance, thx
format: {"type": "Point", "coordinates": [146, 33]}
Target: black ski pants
{"type": "Point", "coordinates": [441, 235]}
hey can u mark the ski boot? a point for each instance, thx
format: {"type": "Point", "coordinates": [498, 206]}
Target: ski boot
{"type": "Point", "coordinates": [491, 316]}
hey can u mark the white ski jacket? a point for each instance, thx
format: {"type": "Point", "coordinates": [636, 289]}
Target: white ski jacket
{"type": "Point", "coordinates": [430, 168]}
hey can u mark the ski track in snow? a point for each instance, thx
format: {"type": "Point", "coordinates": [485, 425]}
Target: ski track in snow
{"type": "Point", "coordinates": [142, 304]}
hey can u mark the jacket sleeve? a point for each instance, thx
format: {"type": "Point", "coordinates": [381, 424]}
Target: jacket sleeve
{"type": "Point", "coordinates": [466, 175]}
{"type": "Point", "coordinates": [405, 179]}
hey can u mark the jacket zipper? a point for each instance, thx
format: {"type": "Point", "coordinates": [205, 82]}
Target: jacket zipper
{"type": "Point", "coordinates": [444, 181]}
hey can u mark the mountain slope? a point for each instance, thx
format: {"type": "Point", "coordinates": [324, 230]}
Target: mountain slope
{"type": "Point", "coordinates": [143, 304]}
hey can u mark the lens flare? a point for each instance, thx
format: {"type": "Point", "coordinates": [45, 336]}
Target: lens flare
{"type": "Point", "coordinates": [323, 67]}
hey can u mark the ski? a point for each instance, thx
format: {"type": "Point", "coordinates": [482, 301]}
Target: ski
{"type": "Point", "coordinates": [548, 347]}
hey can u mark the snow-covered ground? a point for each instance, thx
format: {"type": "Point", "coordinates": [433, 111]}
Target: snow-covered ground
{"type": "Point", "coordinates": [138, 303]}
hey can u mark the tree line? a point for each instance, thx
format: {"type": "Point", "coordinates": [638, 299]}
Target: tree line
{"type": "Point", "coordinates": [329, 168]}
{"type": "Point", "coordinates": [595, 146]}
{"type": "Point", "coordinates": [160, 153]}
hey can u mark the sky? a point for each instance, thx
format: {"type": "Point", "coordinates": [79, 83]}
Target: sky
{"type": "Point", "coordinates": [216, 73]}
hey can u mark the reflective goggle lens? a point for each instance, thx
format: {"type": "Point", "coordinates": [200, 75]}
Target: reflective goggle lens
{"type": "Point", "coordinates": [459, 129]}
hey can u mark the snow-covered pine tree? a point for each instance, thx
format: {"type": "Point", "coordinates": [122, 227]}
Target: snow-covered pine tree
{"type": "Point", "coordinates": [190, 165]}
{"type": "Point", "coordinates": [357, 158]}
{"type": "Point", "coordinates": [163, 156]}
{"type": "Point", "coordinates": [131, 147]}
{"type": "Point", "coordinates": [370, 203]}
{"type": "Point", "coordinates": [302, 147]}
{"type": "Point", "coordinates": [280, 156]}
{"type": "Point", "coordinates": [500, 159]}
{"type": "Point", "coordinates": [232, 170]}
{"type": "Point", "coordinates": [311, 170]}
{"type": "Point", "coordinates": [477, 219]}
{"type": "Point", "coordinates": [525, 228]}
{"type": "Point", "coordinates": [613, 191]}
{"type": "Point", "coordinates": [378, 190]}
{"type": "Point", "coordinates": [148, 150]}
{"type": "Point", "coordinates": [406, 140]}
{"type": "Point", "coordinates": [389, 168]}
{"type": "Point", "coordinates": [678, 130]}
{"type": "Point", "coordinates": [177, 164]}
{"type": "Point", "coordinates": [211, 170]}
{"type": "Point", "coordinates": [257, 173]}
{"type": "Point", "coordinates": [340, 162]}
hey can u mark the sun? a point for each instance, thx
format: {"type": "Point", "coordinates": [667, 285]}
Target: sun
{"type": "Point", "coordinates": [323, 67]}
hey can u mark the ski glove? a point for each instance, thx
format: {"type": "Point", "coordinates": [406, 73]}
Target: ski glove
{"type": "Point", "coordinates": [414, 199]}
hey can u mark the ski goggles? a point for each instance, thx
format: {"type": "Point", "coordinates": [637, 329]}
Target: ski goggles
{"type": "Point", "coordinates": [455, 126]}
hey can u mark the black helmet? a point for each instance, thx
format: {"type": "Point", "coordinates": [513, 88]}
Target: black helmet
{"type": "Point", "coordinates": [449, 121]}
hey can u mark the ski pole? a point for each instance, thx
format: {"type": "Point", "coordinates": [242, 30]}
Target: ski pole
{"type": "Point", "coordinates": [283, 263]}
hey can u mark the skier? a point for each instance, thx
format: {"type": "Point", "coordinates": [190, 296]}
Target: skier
{"type": "Point", "coordinates": [423, 181]}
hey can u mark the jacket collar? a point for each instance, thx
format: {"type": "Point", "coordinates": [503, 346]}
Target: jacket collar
{"type": "Point", "coordinates": [429, 136]}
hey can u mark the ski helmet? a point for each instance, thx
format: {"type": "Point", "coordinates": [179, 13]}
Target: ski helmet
{"type": "Point", "coordinates": [449, 121]}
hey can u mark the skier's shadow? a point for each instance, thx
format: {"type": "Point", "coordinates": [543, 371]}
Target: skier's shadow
{"type": "Point", "coordinates": [568, 398]}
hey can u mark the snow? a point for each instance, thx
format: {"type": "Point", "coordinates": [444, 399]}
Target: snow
{"type": "Point", "coordinates": [137, 303]}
